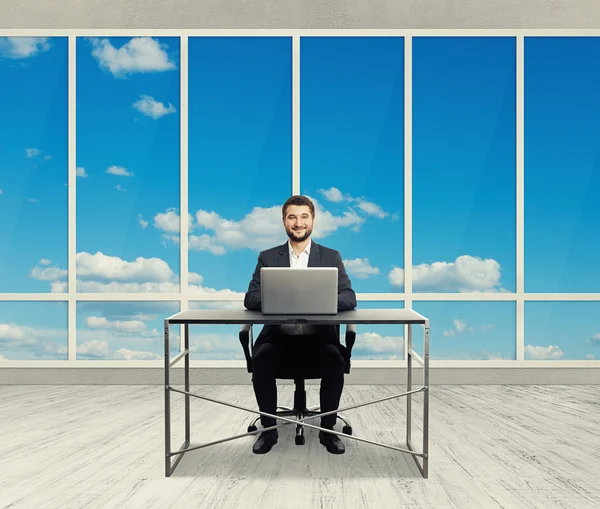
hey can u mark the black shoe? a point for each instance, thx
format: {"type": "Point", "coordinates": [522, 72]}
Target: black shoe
{"type": "Point", "coordinates": [266, 440]}
{"type": "Point", "coordinates": [332, 443]}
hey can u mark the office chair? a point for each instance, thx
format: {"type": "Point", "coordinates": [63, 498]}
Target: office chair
{"type": "Point", "coordinates": [299, 410]}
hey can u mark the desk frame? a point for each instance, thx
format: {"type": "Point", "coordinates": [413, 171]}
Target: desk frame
{"type": "Point", "coordinates": [411, 355]}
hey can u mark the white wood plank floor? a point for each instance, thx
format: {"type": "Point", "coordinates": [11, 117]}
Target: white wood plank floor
{"type": "Point", "coordinates": [490, 447]}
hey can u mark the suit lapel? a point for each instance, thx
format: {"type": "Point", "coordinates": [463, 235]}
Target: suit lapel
{"type": "Point", "coordinates": [314, 259]}
{"type": "Point", "coordinates": [283, 260]}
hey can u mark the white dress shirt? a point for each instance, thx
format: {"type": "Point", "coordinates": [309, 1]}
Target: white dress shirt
{"type": "Point", "coordinates": [301, 261]}
{"type": "Point", "coordinates": [298, 262]}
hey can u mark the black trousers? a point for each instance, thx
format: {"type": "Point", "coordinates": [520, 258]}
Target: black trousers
{"type": "Point", "coordinates": [296, 355]}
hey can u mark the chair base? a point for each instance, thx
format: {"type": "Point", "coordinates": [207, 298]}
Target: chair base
{"type": "Point", "coordinates": [300, 414]}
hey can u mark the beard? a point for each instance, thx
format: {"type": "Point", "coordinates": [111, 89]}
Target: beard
{"type": "Point", "coordinates": [298, 235]}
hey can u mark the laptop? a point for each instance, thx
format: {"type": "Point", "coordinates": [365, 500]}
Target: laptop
{"type": "Point", "coordinates": [308, 291]}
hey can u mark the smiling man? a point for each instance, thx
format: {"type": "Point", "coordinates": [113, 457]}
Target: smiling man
{"type": "Point", "coordinates": [296, 347]}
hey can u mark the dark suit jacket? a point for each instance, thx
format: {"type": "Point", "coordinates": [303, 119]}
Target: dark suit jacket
{"type": "Point", "coordinates": [320, 256]}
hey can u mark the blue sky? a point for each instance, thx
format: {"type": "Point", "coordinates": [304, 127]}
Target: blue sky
{"type": "Point", "coordinates": [352, 151]}
{"type": "Point", "coordinates": [468, 330]}
{"type": "Point", "coordinates": [464, 164]}
{"type": "Point", "coordinates": [128, 147]}
{"type": "Point", "coordinates": [568, 330]}
{"type": "Point", "coordinates": [562, 165]}
{"type": "Point", "coordinates": [352, 164]}
{"type": "Point", "coordinates": [240, 155]}
{"type": "Point", "coordinates": [33, 162]}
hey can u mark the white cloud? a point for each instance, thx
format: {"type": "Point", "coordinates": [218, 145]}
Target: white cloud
{"type": "Point", "coordinates": [595, 340]}
{"type": "Point", "coordinates": [543, 352]}
{"type": "Point", "coordinates": [153, 108]}
{"type": "Point", "coordinates": [33, 200]}
{"type": "Point", "coordinates": [119, 170]}
{"type": "Point", "coordinates": [167, 222]}
{"type": "Point", "coordinates": [1, 191]}
{"type": "Point", "coordinates": [100, 273]}
{"type": "Point", "coordinates": [11, 332]}
{"type": "Point", "coordinates": [44, 343]}
{"type": "Point", "coordinates": [45, 261]}
{"type": "Point", "coordinates": [590, 356]}
{"type": "Point", "coordinates": [95, 348]}
{"type": "Point", "coordinates": [119, 188]}
{"type": "Point", "coordinates": [32, 152]}
{"type": "Point", "coordinates": [193, 277]}
{"type": "Point", "coordinates": [205, 242]}
{"type": "Point", "coordinates": [371, 208]}
{"type": "Point", "coordinates": [459, 326]}
{"type": "Point", "coordinates": [81, 172]}
{"type": "Point", "coordinates": [216, 346]}
{"type": "Point", "coordinates": [370, 345]}
{"type": "Point", "coordinates": [332, 194]}
{"type": "Point", "coordinates": [262, 228]}
{"type": "Point", "coordinates": [101, 266]}
{"type": "Point", "coordinates": [466, 274]}
{"type": "Point", "coordinates": [22, 47]}
{"type": "Point", "coordinates": [100, 322]}
{"type": "Point", "coordinates": [136, 355]}
{"type": "Point", "coordinates": [140, 54]}
{"type": "Point", "coordinates": [48, 273]}
{"type": "Point", "coordinates": [47, 157]}
{"type": "Point", "coordinates": [360, 268]}
{"type": "Point", "coordinates": [141, 221]}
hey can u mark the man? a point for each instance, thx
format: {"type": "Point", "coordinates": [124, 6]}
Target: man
{"type": "Point", "coordinates": [297, 345]}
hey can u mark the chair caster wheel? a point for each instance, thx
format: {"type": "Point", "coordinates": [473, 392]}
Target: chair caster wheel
{"type": "Point", "coordinates": [347, 430]}
{"type": "Point", "coordinates": [251, 429]}
{"type": "Point", "coordinates": [299, 439]}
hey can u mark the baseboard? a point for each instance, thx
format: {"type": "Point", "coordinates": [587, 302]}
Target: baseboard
{"type": "Point", "coordinates": [358, 376]}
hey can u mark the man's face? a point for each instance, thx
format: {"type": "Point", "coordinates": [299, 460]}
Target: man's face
{"type": "Point", "coordinates": [298, 222]}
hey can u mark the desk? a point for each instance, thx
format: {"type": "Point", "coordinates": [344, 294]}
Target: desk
{"type": "Point", "coordinates": [243, 317]}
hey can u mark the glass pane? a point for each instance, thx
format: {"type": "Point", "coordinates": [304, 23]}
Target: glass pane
{"type": "Point", "coordinates": [240, 155]}
{"type": "Point", "coordinates": [125, 330]}
{"type": "Point", "coordinates": [33, 164]}
{"type": "Point", "coordinates": [468, 330]}
{"type": "Point", "coordinates": [551, 333]}
{"type": "Point", "coordinates": [352, 153]}
{"type": "Point", "coordinates": [217, 342]}
{"type": "Point", "coordinates": [33, 331]}
{"type": "Point", "coordinates": [464, 164]}
{"type": "Point", "coordinates": [378, 342]}
{"type": "Point", "coordinates": [128, 165]}
{"type": "Point", "coordinates": [562, 167]}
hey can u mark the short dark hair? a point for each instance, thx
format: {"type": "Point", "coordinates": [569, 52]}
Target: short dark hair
{"type": "Point", "coordinates": [298, 200]}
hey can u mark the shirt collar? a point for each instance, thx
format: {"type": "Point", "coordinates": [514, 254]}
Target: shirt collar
{"type": "Point", "coordinates": [306, 249]}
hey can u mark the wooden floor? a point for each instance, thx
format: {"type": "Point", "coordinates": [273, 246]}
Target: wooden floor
{"type": "Point", "coordinates": [490, 447]}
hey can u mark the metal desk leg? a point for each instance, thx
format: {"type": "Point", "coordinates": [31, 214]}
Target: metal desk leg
{"type": "Point", "coordinates": [167, 404]}
{"type": "Point", "coordinates": [409, 384]}
{"type": "Point", "coordinates": [187, 383]}
{"type": "Point", "coordinates": [426, 402]}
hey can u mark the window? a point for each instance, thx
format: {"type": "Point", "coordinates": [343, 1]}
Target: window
{"type": "Point", "coordinates": [552, 334]}
{"type": "Point", "coordinates": [468, 330]}
{"type": "Point", "coordinates": [352, 153]}
{"type": "Point", "coordinates": [128, 184]}
{"type": "Point", "coordinates": [379, 341]}
{"type": "Point", "coordinates": [33, 331]}
{"type": "Point", "coordinates": [464, 164]}
{"type": "Point", "coordinates": [125, 330]}
{"type": "Point", "coordinates": [562, 169]}
{"type": "Point", "coordinates": [33, 164]}
{"type": "Point", "coordinates": [240, 156]}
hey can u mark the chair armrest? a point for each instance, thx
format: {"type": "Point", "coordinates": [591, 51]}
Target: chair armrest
{"type": "Point", "coordinates": [246, 342]}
